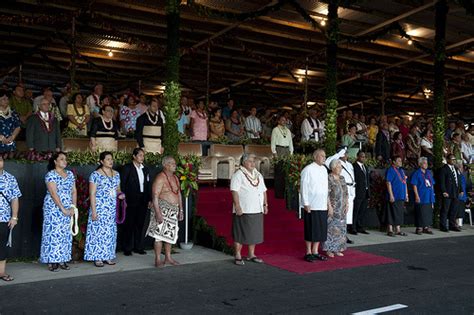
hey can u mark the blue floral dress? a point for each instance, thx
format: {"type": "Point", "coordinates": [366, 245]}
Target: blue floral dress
{"type": "Point", "coordinates": [8, 124]}
{"type": "Point", "coordinates": [9, 189]}
{"type": "Point", "coordinates": [56, 241]}
{"type": "Point", "coordinates": [101, 236]}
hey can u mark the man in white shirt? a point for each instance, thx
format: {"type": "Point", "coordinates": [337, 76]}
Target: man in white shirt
{"type": "Point", "coordinates": [93, 100]}
{"type": "Point", "coordinates": [312, 129]}
{"type": "Point", "coordinates": [253, 127]}
{"type": "Point", "coordinates": [249, 196]}
{"type": "Point", "coordinates": [348, 174]}
{"type": "Point", "coordinates": [315, 199]}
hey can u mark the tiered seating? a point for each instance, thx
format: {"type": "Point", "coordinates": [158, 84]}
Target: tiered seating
{"type": "Point", "coordinates": [75, 144]}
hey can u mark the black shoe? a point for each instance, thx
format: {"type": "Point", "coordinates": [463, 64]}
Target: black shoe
{"type": "Point", "coordinates": [363, 232]}
{"type": "Point", "coordinates": [308, 258]}
{"type": "Point", "coordinates": [348, 241]}
{"type": "Point", "coordinates": [443, 229]}
{"type": "Point", "coordinates": [319, 257]}
{"type": "Point", "coordinates": [352, 232]}
{"type": "Point", "coordinates": [140, 252]}
{"type": "Point", "coordinates": [455, 229]}
{"type": "Point", "coordinates": [127, 253]}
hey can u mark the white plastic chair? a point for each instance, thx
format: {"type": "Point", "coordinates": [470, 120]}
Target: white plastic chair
{"type": "Point", "coordinates": [468, 211]}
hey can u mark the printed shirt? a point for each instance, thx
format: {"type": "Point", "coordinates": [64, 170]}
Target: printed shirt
{"type": "Point", "coordinates": [130, 117]}
{"type": "Point", "coordinates": [9, 189]}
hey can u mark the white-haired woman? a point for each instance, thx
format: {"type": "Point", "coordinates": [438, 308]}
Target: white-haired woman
{"type": "Point", "coordinates": [339, 200]}
{"type": "Point", "coordinates": [249, 196]}
{"type": "Point", "coordinates": [423, 186]}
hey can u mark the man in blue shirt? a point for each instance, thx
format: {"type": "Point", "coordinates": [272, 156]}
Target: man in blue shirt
{"type": "Point", "coordinates": [396, 181]}
{"type": "Point", "coordinates": [423, 186]}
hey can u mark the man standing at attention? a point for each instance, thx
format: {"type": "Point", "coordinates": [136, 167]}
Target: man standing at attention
{"type": "Point", "coordinates": [315, 199]}
{"type": "Point", "coordinates": [167, 210]}
{"type": "Point", "coordinates": [253, 127]}
{"type": "Point", "coordinates": [312, 129]}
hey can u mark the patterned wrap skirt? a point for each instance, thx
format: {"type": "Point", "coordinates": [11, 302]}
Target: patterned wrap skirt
{"type": "Point", "coordinates": [167, 231]}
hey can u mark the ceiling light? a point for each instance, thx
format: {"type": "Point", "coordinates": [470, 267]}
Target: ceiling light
{"type": "Point", "coordinates": [110, 53]}
{"type": "Point", "coordinates": [410, 42]}
{"type": "Point", "coordinates": [323, 23]}
{"type": "Point", "coordinates": [310, 103]}
{"type": "Point", "coordinates": [300, 80]}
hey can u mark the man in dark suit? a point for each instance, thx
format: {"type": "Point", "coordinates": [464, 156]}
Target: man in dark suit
{"type": "Point", "coordinates": [135, 183]}
{"type": "Point", "coordinates": [450, 185]}
{"type": "Point", "coordinates": [382, 144]}
{"type": "Point", "coordinates": [362, 193]}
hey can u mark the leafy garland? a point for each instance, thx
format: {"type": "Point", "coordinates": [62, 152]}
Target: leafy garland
{"type": "Point", "coordinates": [439, 86]}
{"type": "Point", "coordinates": [172, 91]}
{"type": "Point", "coordinates": [331, 77]}
{"type": "Point", "coordinates": [171, 111]}
{"type": "Point", "coordinates": [210, 12]}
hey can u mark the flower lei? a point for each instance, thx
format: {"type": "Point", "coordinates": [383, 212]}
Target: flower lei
{"type": "Point", "coordinates": [253, 179]}
{"type": "Point", "coordinates": [46, 125]}
{"type": "Point", "coordinates": [6, 114]}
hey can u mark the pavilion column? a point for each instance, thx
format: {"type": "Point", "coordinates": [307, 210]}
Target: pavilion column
{"type": "Point", "coordinates": [172, 91]}
{"type": "Point", "coordinates": [331, 77]}
{"type": "Point", "coordinates": [439, 84]}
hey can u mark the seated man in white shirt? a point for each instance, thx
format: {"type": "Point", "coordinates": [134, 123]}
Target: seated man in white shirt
{"type": "Point", "coordinates": [312, 129]}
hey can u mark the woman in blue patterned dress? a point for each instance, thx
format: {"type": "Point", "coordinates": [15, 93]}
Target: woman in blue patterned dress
{"type": "Point", "coordinates": [101, 236]}
{"type": "Point", "coordinates": [9, 125]}
{"type": "Point", "coordinates": [9, 194]}
{"type": "Point", "coordinates": [61, 197]}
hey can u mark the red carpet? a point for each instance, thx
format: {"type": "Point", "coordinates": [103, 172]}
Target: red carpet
{"type": "Point", "coordinates": [283, 245]}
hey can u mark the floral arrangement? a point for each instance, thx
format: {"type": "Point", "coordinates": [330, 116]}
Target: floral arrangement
{"type": "Point", "coordinates": [187, 171]}
{"type": "Point", "coordinates": [294, 166]}
{"type": "Point", "coordinates": [72, 133]}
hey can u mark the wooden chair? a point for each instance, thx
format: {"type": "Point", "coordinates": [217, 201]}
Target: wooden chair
{"type": "Point", "coordinates": [228, 158]}
{"type": "Point", "coordinates": [264, 156]}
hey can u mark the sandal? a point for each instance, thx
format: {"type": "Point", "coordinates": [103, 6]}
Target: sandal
{"type": "Point", "coordinates": [64, 266]}
{"type": "Point", "coordinates": [340, 254]}
{"type": "Point", "coordinates": [109, 262]}
{"type": "Point", "coordinates": [402, 233]}
{"type": "Point", "coordinates": [390, 234]}
{"type": "Point", "coordinates": [255, 259]}
{"type": "Point", "coordinates": [418, 231]}
{"type": "Point", "coordinates": [99, 263]}
{"type": "Point", "coordinates": [427, 231]}
{"type": "Point", "coordinates": [53, 267]}
{"type": "Point", "coordinates": [330, 254]}
{"type": "Point", "coordinates": [7, 278]}
{"type": "Point", "coordinates": [239, 262]}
